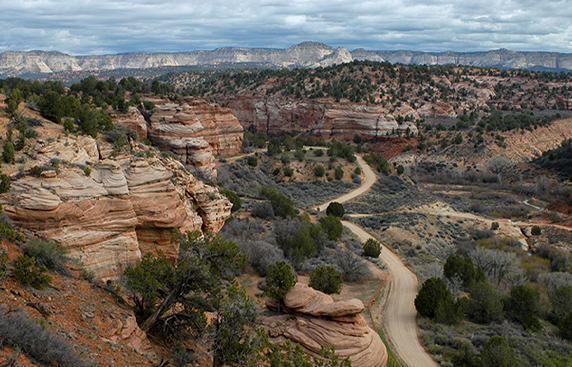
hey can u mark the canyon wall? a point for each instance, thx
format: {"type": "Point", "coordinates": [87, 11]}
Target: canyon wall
{"type": "Point", "coordinates": [191, 129]}
{"type": "Point", "coordinates": [326, 119]}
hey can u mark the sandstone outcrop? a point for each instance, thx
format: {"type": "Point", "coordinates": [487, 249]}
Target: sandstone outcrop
{"type": "Point", "coordinates": [327, 119]}
{"type": "Point", "coordinates": [316, 321]}
{"type": "Point", "coordinates": [194, 131]}
{"type": "Point", "coordinates": [132, 119]}
{"type": "Point", "coordinates": [127, 206]}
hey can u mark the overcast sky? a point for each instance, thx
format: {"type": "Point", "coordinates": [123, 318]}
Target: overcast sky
{"type": "Point", "coordinates": [83, 27]}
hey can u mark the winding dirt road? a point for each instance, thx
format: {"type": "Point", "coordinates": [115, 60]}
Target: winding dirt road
{"type": "Point", "coordinates": [399, 315]}
{"type": "Point", "coordinates": [369, 179]}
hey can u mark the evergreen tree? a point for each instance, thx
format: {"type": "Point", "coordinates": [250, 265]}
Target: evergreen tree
{"type": "Point", "coordinates": [497, 353]}
{"type": "Point", "coordinates": [279, 280]}
{"type": "Point", "coordinates": [326, 279]}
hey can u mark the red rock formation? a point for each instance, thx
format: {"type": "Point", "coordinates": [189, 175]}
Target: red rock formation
{"type": "Point", "coordinates": [318, 321]}
{"type": "Point", "coordinates": [193, 131]}
{"type": "Point", "coordinates": [133, 119]}
{"type": "Point", "coordinates": [126, 206]}
{"type": "Point", "coordinates": [221, 129]}
{"type": "Point", "coordinates": [327, 119]}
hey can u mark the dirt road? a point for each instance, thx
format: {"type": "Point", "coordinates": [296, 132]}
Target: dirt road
{"type": "Point", "coordinates": [369, 179]}
{"type": "Point", "coordinates": [399, 315]}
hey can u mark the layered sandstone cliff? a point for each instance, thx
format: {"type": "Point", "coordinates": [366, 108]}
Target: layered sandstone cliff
{"type": "Point", "coordinates": [126, 206]}
{"type": "Point", "coordinates": [306, 54]}
{"type": "Point", "coordinates": [324, 118]}
{"type": "Point", "coordinates": [191, 129]}
{"type": "Point", "coordinates": [315, 320]}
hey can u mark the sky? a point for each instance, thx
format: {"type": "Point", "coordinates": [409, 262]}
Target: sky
{"type": "Point", "coordinates": [91, 27]}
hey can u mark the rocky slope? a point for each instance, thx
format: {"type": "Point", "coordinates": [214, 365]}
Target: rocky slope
{"type": "Point", "coordinates": [83, 314]}
{"type": "Point", "coordinates": [525, 146]}
{"type": "Point", "coordinates": [323, 118]}
{"type": "Point", "coordinates": [192, 129]}
{"type": "Point", "coordinates": [307, 54]}
{"type": "Point", "coordinates": [315, 320]}
{"type": "Point", "coordinates": [125, 206]}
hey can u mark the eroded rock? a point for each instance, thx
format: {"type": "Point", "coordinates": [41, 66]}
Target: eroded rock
{"type": "Point", "coordinates": [194, 131]}
{"type": "Point", "coordinates": [317, 320]}
{"type": "Point", "coordinates": [127, 206]}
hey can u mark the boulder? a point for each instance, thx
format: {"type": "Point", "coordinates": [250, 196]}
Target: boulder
{"type": "Point", "coordinates": [317, 320]}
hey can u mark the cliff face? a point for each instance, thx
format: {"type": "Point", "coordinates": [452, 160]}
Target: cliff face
{"type": "Point", "coordinates": [306, 54]}
{"type": "Point", "coordinates": [192, 129]}
{"type": "Point", "coordinates": [126, 207]}
{"type": "Point", "coordinates": [327, 119]}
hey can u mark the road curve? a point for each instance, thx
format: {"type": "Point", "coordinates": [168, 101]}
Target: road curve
{"type": "Point", "coordinates": [369, 179]}
{"type": "Point", "coordinates": [399, 314]}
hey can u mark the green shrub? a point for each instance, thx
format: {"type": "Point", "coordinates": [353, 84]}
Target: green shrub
{"type": "Point", "coordinates": [69, 126]}
{"type": "Point", "coordinates": [339, 173]}
{"type": "Point", "coordinates": [300, 155]}
{"type": "Point", "coordinates": [536, 231]}
{"type": "Point", "coordinates": [523, 305]}
{"type": "Point", "coordinates": [9, 152]}
{"type": "Point", "coordinates": [485, 304]}
{"type": "Point", "coordinates": [288, 172]}
{"type": "Point", "coordinates": [332, 226]}
{"type": "Point", "coordinates": [300, 238]}
{"type": "Point", "coordinates": [336, 209]}
{"type": "Point", "coordinates": [495, 226]}
{"type": "Point", "coordinates": [565, 326]}
{"type": "Point", "coordinates": [459, 267]}
{"type": "Point", "coordinates": [318, 152]}
{"type": "Point", "coordinates": [279, 280]}
{"type": "Point", "coordinates": [6, 230]}
{"type": "Point", "coordinates": [47, 254]}
{"type": "Point", "coordinates": [400, 169]}
{"type": "Point", "coordinates": [26, 271]}
{"type": "Point", "coordinates": [449, 312]}
{"type": "Point", "coordinates": [319, 170]}
{"type": "Point", "coordinates": [357, 171]}
{"type": "Point", "coordinates": [148, 105]}
{"type": "Point", "coordinates": [87, 171]}
{"type": "Point", "coordinates": [496, 352]}
{"type": "Point", "coordinates": [326, 279]}
{"type": "Point", "coordinates": [561, 301]}
{"type": "Point", "coordinates": [233, 198]}
{"type": "Point", "coordinates": [431, 293]}
{"type": "Point", "coordinates": [3, 264]}
{"type": "Point", "coordinates": [252, 161]}
{"type": "Point", "coordinates": [554, 217]}
{"type": "Point", "coordinates": [5, 183]}
{"type": "Point", "coordinates": [371, 248]}
{"type": "Point", "coordinates": [282, 206]}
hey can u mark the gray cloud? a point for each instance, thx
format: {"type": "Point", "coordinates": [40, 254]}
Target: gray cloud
{"type": "Point", "coordinates": [101, 26]}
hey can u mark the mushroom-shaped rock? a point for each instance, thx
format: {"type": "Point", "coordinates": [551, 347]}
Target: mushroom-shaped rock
{"type": "Point", "coordinates": [319, 321]}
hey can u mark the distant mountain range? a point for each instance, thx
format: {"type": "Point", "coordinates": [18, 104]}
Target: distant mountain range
{"type": "Point", "coordinates": [306, 54]}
